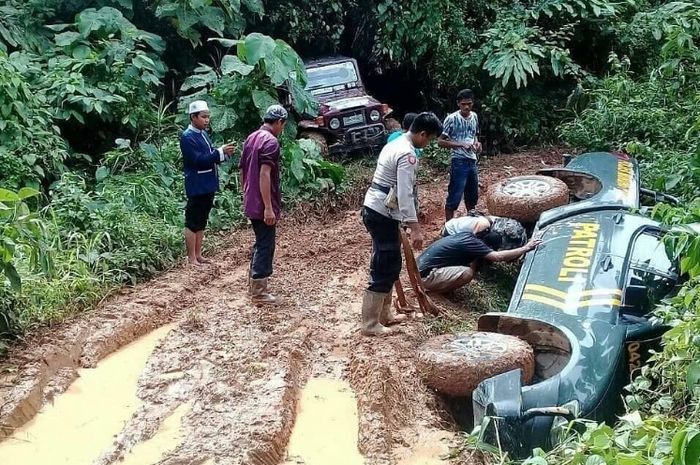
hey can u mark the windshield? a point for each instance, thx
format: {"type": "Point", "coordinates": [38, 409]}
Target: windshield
{"type": "Point", "coordinates": [337, 74]}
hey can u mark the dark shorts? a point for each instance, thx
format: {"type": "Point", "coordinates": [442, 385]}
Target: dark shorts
{"type": "Point", "coordinates": [197, 211]}
{"type": "Point", "coordinates": [464, 184]}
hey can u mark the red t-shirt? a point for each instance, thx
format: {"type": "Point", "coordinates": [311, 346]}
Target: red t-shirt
{"type": "Point", "coordinates": [260, 148]}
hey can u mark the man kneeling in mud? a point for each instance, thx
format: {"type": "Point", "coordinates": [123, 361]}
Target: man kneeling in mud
{"type": "Point", "coordinates": [451, 262]}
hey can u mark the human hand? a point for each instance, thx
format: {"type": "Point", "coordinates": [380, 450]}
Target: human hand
{"type": "Point", "coordinates": [477, 146]}
{"type": "Point", "coordinates": [269, 216]}
{"type": "Point", "coordinates": [532, 245]}
{"type": "Point", "coordinates": [229, 148]}
{"type": "Point", "coordinates": [417, 240]}
{"type": "Point", "coordinates": [467, 145]}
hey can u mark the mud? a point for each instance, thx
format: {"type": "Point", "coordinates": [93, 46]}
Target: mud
{"type": "Point", "coordinates": [455, 364]}
{"type": "Point", "coordinates": [232, 373]}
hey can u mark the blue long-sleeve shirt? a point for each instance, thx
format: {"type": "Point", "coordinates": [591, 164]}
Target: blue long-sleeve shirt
{"type": "Point", "coordinates": [200, 160]}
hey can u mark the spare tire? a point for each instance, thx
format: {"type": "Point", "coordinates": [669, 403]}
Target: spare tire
{"type": "Point", "coordinates": [455, 364]}
{"type": "Point", "coordinates": [525, 197]}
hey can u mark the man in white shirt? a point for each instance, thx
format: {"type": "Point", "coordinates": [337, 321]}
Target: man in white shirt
{"type": "Point", "coordinates": [388, 204]}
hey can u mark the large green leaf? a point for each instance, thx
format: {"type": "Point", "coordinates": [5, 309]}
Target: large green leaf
{"type": "Point", "coordinates": [8, 196]}
{"type": "Point", "coordinates": [232, 64]}
{"type": "Point", "coordinates": [257, 47]}
{"type": "Point", "coordinates": [263, 100]}
{"type": "Point", "coordinates": [12, 276]}
{"type": "Point", "coordinates": [26, 192]}
{"type": "Point", "coordinates": [66, 38]}
{"type": "Point", "coordinates": [693, 375]}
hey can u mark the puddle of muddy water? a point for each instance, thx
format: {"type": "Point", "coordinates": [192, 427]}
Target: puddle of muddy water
{"type": "Point", "coordinates": [326, 427]}
{"type": "Point", "coordinates": [165, 440]}
{"type": "Point", "coordinates": [83, 421]}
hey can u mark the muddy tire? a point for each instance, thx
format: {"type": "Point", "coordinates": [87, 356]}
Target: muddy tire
{"type": "Point", "coordinates": [319, 138]}
{"type": "Point", "coordinates": [455, 364]}
{"type": "Point", "coordinates": [524, 198]}
{"type": "Point", "coordinates": [392, 124]}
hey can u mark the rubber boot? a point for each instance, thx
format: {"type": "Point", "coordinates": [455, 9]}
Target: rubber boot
{"type": "Point", "coordinates": [389, 316]}
{"type": "Point", "coordinates": [372, 305]}
{"type": "Point", "coordinates": [259, 292]}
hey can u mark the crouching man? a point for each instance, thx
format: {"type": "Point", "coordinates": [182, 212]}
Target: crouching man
{"type": "Point", "coordinates": [389, 203]}
{"type": "Point", "coordinates": [451, 262]}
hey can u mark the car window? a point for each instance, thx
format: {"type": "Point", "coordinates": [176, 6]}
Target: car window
{"type": "Point", "coordinates": [652, 275]}
{"type": "Point", "coordinates": [331, 75]}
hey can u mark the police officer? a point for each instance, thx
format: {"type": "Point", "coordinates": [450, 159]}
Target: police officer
{"type": "Point", "coordinates": [201, 177]}
{"type": "Point", "coordinates": [388, 204]}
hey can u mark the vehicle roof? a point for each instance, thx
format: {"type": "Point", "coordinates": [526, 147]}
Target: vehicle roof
{"type": "Point", "coordinates": [581, 268]}
{"type": "Point", "coordinates": [619, 177]}
{"type": "Point", "coordinates": [327, 60]}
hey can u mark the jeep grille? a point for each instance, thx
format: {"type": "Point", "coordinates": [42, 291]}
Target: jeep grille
{"type": "Point", "coordinates": [353, 118]}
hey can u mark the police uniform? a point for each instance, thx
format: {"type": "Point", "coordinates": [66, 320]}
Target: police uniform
{"type": "Point", "coordinates": [395, 174]}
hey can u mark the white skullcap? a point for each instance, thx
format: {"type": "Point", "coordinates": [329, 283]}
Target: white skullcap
{"type": "Point", "coordinates": [197, 106]}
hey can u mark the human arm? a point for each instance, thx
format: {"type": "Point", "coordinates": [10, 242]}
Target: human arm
{"type": "Point", "coordinates": [266, 193]}
{"type": "Point", "coordinates": [508, 255]}
{"type": "Point", "coordinates": [405, 180]}
{"type": "Point", "coordinates": [200, 154]}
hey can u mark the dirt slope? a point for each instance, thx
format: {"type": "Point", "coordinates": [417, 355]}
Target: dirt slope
{"type": "Point", "coordinates": [241, 367]}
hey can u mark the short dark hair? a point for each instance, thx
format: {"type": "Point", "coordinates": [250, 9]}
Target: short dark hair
{"type": "Point", "coordinates": [465, 94]}
{"type": "Point", "coordinates": [408, 120]}
{"type": "Point", "coordinates": [427, 122]}
{"type": "Point", "coordinates": [273, 120]}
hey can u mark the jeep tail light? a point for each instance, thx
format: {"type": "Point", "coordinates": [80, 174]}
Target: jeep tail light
{"type": "Point", "coordinates": [385, 109]}
{"type": "Point", "coordinates": [319, 121]}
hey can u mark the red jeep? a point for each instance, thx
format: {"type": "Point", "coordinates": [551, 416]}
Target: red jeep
{"type": "Point", "coordinates": [348, 118]}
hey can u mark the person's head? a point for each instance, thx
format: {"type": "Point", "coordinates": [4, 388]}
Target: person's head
{"type": "Point", "coordinates": [425, 128]}
{"type": "Point", "coordinates": [275, 118]}
{"type": "Point", "coordinates": [465, 101]}
{"type": "Point", "coordinates": [512, 233]}
{"type": "Point", "coordinates": [408, 120]}
{"type": "Point", "coordinates": [491, 238]}
{"type": "Point", "coordinates": [199, 114]}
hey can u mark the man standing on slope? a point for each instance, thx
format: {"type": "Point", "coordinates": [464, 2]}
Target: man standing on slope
{"type": "Point", "coordinates": [262, 199]}
{"type": "Point", "coordinates": [459, 134]}
{"type": "Point", "coordinates": [388, 204]}
{"type": "Point", "coordinates": [201, 177]}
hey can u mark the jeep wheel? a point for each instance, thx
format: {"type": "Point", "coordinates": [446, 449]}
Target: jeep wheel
{"type": "Point", "coordinates": [455, 364]}
{"type": "Point", "coordinates": [319, 139]}
{"type": "Point", "coordinates": [525, 197]}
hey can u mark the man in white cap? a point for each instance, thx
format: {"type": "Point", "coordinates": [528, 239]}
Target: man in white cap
{"type": "Point", "coordinates": [262, 199]}
{"type": "Point", "coordinates": [201, 177]}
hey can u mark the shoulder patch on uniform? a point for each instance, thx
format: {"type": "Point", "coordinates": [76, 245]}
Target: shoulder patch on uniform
{"type": "Point", "coordinates": [412, 159]}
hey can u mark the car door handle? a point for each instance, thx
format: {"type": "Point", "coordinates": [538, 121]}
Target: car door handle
{"type": "Point", "coordinates": [606, 263]}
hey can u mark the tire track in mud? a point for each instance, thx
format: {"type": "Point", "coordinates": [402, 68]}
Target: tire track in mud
{"type": "Point", "coordinates": [237, 369]}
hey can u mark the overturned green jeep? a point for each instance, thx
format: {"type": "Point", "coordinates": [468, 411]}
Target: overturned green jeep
{"type": "Point", "coordinates": [582, 302]}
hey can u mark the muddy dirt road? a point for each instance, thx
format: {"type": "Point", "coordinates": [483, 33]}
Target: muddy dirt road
{"type": "Point", "coordinates": [183, 370]}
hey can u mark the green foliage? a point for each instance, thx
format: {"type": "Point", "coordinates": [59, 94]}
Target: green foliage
{"type": "Point", "coordinates": [30, 145]}
{"type": "Point", "coordinates": [307, 176]}
{"type": "Point", "coordinates": [21, 232]}
{"type": "Point", "coordinates": [101, 67]}
{"type": "Point", "coordinates": [245, 84]}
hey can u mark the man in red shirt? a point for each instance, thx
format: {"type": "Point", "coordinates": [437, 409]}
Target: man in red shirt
{"type": "Point", "coordinates": [262, 200]}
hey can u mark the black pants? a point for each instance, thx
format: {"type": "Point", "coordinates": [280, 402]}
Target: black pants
{"type": "Point", "coordinates": [263, 250]}
{"type": "Point", "coordinates": [386, 250]}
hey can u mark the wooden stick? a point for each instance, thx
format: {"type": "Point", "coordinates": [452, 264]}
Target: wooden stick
{"type": "Point", "coordinates": [426, 304]}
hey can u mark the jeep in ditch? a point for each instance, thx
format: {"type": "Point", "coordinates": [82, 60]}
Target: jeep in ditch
{"type": "Point", "coordinates": [348, 119]}
{"type": "Point", "coordinates": [582, 301]}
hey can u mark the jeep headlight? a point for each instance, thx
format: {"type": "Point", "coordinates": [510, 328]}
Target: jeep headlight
{"type": "Point", "coordinates": [560, 425]}
{"type": "Point", "coordinates": [334, 123]}
{"type": "Point", "coordinates": [374, 115]}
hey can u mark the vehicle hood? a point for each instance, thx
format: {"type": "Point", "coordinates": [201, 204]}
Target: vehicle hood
{"type": "Point", "coordinates": [619, 182]}
{"type": "Point", "coordinates": [579, 270]}
{"type": "Point", "coordinates": [346, 99]}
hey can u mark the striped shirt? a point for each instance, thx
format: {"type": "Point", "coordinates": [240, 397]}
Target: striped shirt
{"type": "Point", "coordinates": [457, 128]}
